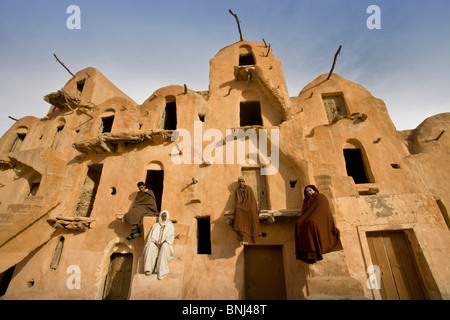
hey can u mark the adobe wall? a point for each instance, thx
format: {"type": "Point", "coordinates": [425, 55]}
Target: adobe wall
{"type": "Point", "coordinates": [407, 188]}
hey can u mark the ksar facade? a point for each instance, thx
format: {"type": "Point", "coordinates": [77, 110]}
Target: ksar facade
{"type": "Point", "coordinates": [66, 176]}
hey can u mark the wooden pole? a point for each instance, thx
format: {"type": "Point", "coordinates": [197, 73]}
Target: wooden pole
{"type": "Point", "coordinates": [237, 20]}
{"type": "Point", "coordinates": [334, 61]}
{"type": "Point", "coordinates": [64, 65]}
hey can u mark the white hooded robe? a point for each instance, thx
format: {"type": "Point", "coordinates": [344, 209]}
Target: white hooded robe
{"type": "Point", "coordinates": [157, 260]}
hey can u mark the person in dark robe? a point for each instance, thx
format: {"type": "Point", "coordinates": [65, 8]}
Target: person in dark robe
{"type": "Point", "coordinates": [315, 231]}
{"type": "Point", "coordinates": [246, 214]}
{"type": "Point", "coordinates": [144, 204]}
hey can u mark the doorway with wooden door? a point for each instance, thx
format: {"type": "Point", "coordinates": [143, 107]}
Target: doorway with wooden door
{"type": "Point", "coordinates": [118, 279]}
{"type": "Point", "coordinates": [264, 273]}
{"type": "Point", "coordinates": [400, 277]}
{"type": "Point", "coordinates": [258, 183]}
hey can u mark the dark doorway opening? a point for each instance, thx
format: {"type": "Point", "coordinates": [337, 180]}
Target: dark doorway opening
{"type": "Point", "coordinates": [204, 235]}
{"type": "Point", "coordinates": [355, 165]}
{"type": "Point", "coordinates": [107, 124]}
{"type": "Point", "coordinates": [170, 120]}
{"type": "Point", "coordinates": [246, 59]}
{"type": "Point", "coordinates": [250, 113]}
{"type": "Point", "coordinates": [90, 186]}
{"type": "Point", "coordinates": [118, 278]}
{"type": "Point", "coordinates": [155, 182]}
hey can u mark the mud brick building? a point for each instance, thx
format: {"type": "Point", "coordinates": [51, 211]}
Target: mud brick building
{"type": "Point", "coordinates": [64, 178]}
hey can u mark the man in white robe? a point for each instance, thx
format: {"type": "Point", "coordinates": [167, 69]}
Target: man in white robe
{"type": "Point", "coordinates": [158, 250]}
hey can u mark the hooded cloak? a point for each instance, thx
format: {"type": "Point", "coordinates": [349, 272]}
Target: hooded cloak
{"type": "Point", "coordinates": [156, 259]}
{"type": "Point", "coordinates": [315, 231]}
{"type": "Point", "coordinates": [246, 215]}
{"type": "Point", "coordinates": [143, 204]}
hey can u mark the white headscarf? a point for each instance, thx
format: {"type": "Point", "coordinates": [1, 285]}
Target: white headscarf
{"type": "Point", "coordinates": [160, 221]}
{"type": "Point", "coordinates": [162, 231]}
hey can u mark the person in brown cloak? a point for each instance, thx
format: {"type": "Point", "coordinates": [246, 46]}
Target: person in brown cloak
{"type": "Point", "coordinates": [246, 214]}
{"type": "Point", "coordinates": [315, 231]}
{"type": "Point", "coordinates": [144, 204]}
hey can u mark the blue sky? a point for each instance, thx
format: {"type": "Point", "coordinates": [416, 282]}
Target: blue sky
{"type": "Point", "coordinates": [142, 46]}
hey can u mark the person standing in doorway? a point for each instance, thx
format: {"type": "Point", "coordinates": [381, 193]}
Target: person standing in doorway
{"type": "Point", "coordinates": [246, 214]}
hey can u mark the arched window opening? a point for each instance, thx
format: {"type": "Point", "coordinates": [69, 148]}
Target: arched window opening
{"type": "Point", "coordinates": [356, 163]}
{"type": "Point", "coordinates": [107, 122]}
{"type": "Point", "coordinates": [246, 56]}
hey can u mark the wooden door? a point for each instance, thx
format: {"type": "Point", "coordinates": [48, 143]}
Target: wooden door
{"type": "Point", "coordinates": [400, 278]}
{"type": "Point", "coordinates": [258, 183]}
{"type": "Point", "coordinates": [118, 279]}
{"type": "Point", "coordinates": [264, 273]}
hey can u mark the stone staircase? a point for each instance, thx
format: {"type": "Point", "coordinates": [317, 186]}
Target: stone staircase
{"type": "Point", "coordinates": [329, 279]}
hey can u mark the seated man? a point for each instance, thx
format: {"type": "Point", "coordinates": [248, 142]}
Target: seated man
{"type": "Point", "coordinates": [158, 251]}
{"type": "Point", "coordinates": [246, 214]}
{"type": "Point", "coordinates": [143, 205]}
